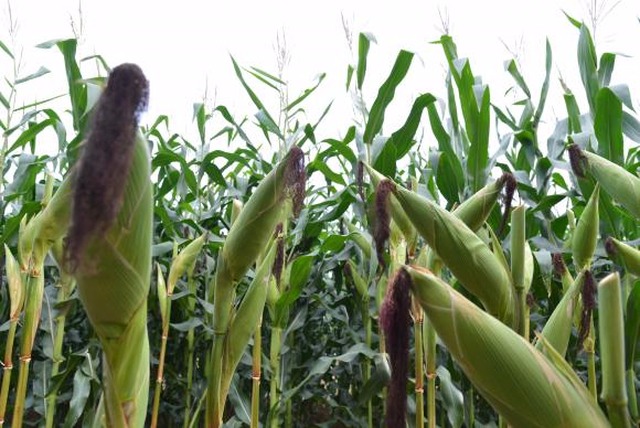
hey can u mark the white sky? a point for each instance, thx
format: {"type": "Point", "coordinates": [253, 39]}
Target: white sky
{"type": "Point", "coordinates": [184, 47]}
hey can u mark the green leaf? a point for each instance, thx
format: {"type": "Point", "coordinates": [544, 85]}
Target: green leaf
{"type": "Point", "coordinates": [573, 112]}
{"type": "Point", "coordinates": [512, 68]}
{"type": "Point", "coordinates": [41, 72]}
{"type": "Point", "coordinates": [545, 85]}
{"type": "Point", "coordinates": [6, 49]}
{"type": "Point", "coordinates": [479, 149]}
{"type": "Point", "coordinates": [31, 133]}
{"type": "Point", "coordinates": [385, 162]}
{"type": "Point", "coordinates": [449, 177]}
{"type": "Point", "coordinates": [254, 98]}
{"type": "Point", "coordinates": [452, 397]}
{"type": "Point", "coordinates": [306, 92]}
{"type": "Point", "coordinates": [631, 126]}
{"type": "Point", "coordinates": [364, 43]}
{"type": "Point", "coordinates": [607, 62]}
{"type": "Point", "coordinates": [403, 137]}
{"type": "Point", "coordinates": [608, 126]}
{"type": "Point", "coordinates": [587, 62]}
{"type": "Point", "coordinates": [632, 324]}
{"type": "Point", "coordinates": [385, 95]}
{"type": "Point", "coordinates": [350, 71]}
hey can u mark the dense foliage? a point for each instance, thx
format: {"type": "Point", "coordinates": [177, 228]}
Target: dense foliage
{"type": "Point", "coordinates": [322, 362]}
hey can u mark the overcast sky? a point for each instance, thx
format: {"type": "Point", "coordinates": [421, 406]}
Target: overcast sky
{"type": "Point", "coordinates": [184, 47]}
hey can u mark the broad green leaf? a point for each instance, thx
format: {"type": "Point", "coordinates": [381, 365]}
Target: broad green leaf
{"type": "Point", "coordinates": [631, 126]}
{"type": "Point", "coordinates": [573, 112]}
{"type": "Point", "coordinates": [545, 85]}
{"type": "Point", "coordinates": [607, 62]}
{"type": "Point", "coordinates": [385, 95]}
{"type": "Point", "coordinates": [364, 43]}
{"type": "Point", "coordinates": [306, 92]}
{"type": "Point", "coordinates": [608, 126]}
{"type": "Point", "coordinates": [403, 137]}
{"type": "Point", "coordinates": [512, 68]}
{"type": "Point", "coordinates": [452, 397]}
{"type": "Point", "coordinates": [587, 62]}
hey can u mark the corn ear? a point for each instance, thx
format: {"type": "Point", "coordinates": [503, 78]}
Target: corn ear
{"type": "Point", "coordinates": [630, 256]}
{"type": "Point", "coordinates": [14, 281]}
{"type": "Point", "coordinates": [236, 208]}
{"type": "Point", "coordinates": [113, 284]}
{"type": "Point", "coordinates": [245, 320]}
{"type": "Point", "coordinates": [464, 253]}
{"type": "Point", "coordinates": [611, 329]}
{"type": "Point", "coordinates": [515, 378]}
{"type": "Point", "coordinates": [184, 262]}
{"type": "Point", "coordinates": [247, 238]}
{"type": "Point", "coordinates": [255, 223]}
{"type": "Point", "coordinates": [475, 211]}
{"type": "Point", "coordinates": [585, 236]}
{"type": "Point", "coordinates": [398, 214]}
{"type": "Point", "coordinates": [622, 185]}
{"type": "Point", "coordinates": [557, 329]}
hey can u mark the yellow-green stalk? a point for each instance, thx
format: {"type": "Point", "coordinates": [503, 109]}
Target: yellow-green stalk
{"type": "Point", "coordinates": [14, 281]}
{"type": "Point", "coordinates": [418, 331]}
{"type": "Point", "coordinates": [362, 291]}
{"type": "Point", "coordinates": [183, 263]}
{"type": "Point", "coordinates": [611, 327]}
{"type": "Point", "coordinates": [256, 364]}
{"type": "Point", "coordinates": [515, 378]}
{"type": "Point", "coordinates": [36, 237]}
{"type": "Point", "coordinates": [247, 238]}
{"type": "Point", "coordinates": [66, 284]}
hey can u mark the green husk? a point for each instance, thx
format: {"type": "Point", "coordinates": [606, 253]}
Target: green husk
{"type": "Point", "coordinates": [515, 378]}
{"type": "Point", "coordinates": [464, 253]}
{"type": "Point", "coordinates": [247, 239]}
{"type": "Point", "coordinates": [611, 329]}
{"type": "Point", "coordinates": [622, 185]}
{"type": "Point", "coordinates": [557, 330]}
{"type": "Point", "coordinates": [585, 236]}
{"type": "Point", "coordinates": [117, 269]}
{"type": "Point", "coordinates": [630, 256]}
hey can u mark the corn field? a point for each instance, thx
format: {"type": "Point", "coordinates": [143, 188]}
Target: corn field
{"type": "Point", "coordinates": [460, 270]}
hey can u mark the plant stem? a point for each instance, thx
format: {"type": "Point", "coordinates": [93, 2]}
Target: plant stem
{"type": "Point", "coordinates": [631, 393]}
{"type": "Point", "coordinates": [7, 368]}
{"type": "Point", "coordinates": [191, 284]}
{"type": "Point", "coordinates": [274, 361]}
{"type": "Point", "coordinates": [160, 375]}
{"type": "Point", "coordinates": [255, 376]}
{"type": "Point", "coordinates": [65, 286]}
{"type": "Point", "coordinates": [366, 321]}
{"type": "Point", "coordinates": [418, 331]}
{"type": "Point", "coordinates": [589, 348]}
{"type": "Point", "coordinates": [429, 334]}
{"type": "Point", "coordinates": [33, 308]}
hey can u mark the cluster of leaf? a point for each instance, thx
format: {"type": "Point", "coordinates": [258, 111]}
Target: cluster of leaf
{"type": "Point", "coordinates": [330, 356]}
